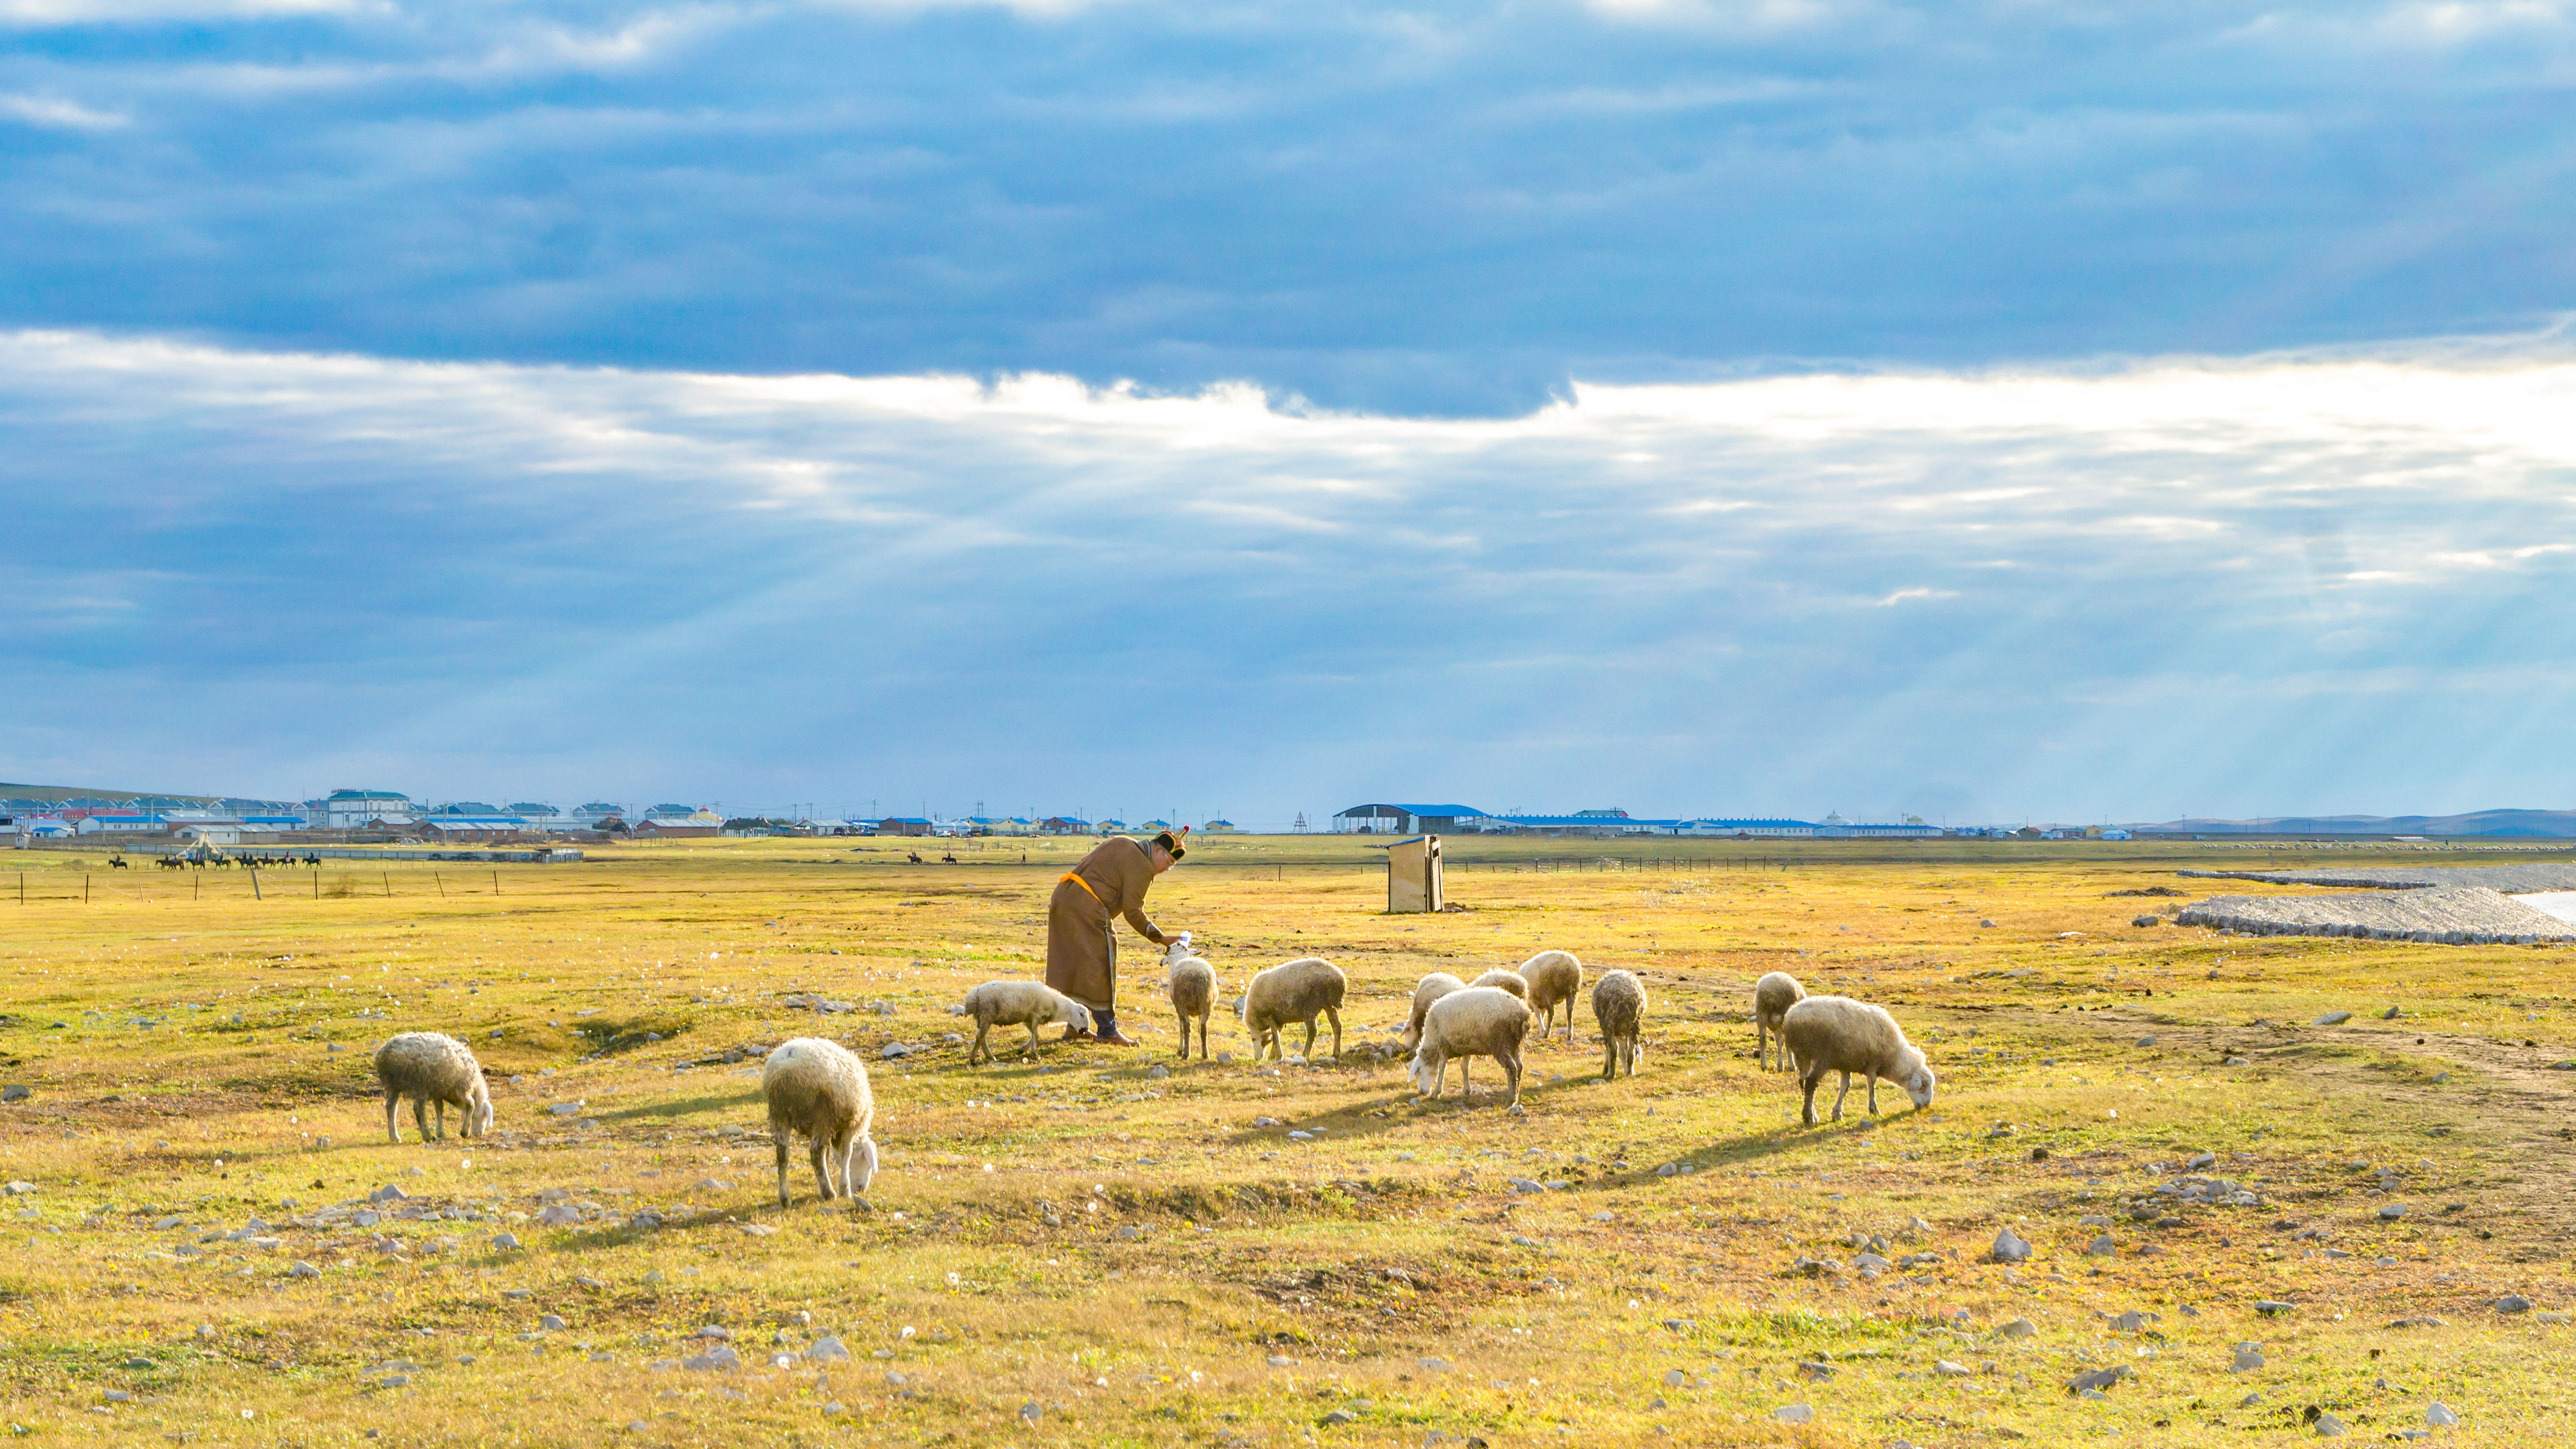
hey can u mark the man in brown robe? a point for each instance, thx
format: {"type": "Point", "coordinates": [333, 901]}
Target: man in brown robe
{"type": "Point", "coordinates": [1082, 949]}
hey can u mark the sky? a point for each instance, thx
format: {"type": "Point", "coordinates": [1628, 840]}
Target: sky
{"type": "Point", "coordinates": [1991, 412]}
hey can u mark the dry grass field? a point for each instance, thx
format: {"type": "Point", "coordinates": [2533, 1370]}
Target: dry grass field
{"type": "Point", "coordinates": [1115, 1248]}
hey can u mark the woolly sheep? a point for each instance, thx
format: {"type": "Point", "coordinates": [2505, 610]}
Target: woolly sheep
{"type": "Point", "coordinates": [1032, 1004]}
{"type": "Point", "coordinates": [1555, 979]}
{"type": "Point", "coordinates": [1837, 1034]}
{"type": "Point", "coordinates": [1619, 1008]}
{"type": "Point", "coordinates": [431, 1068]}
{"type": "Point", "coordinates": [1511, 981]}
{"type": "Point", "coordinates": [1773, 995]}
{"type": "Point", "coordinates": [1299, 990]}
{"type": "Point", "coordinates": [1430, 989]}
{"type": "Point", "coordinates": [1478, 1021]}
{"type": "Point", "coordinates": [818, 1088]}
{"type": "Point", "coordinates": [1193, 988]}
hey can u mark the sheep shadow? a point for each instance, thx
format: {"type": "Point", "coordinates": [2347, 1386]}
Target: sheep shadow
{"type": "Point", "coordinates": [688, 1107]}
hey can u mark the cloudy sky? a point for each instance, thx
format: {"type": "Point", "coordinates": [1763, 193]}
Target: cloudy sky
{"type": "Point", "coordinates": [1989, 411]}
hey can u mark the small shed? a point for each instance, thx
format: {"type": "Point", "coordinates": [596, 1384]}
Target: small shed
{"type": "Point", "coordinates": [1413, 875]}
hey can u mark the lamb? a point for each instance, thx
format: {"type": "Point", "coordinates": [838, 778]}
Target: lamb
{"type": "Point", "coordinates": [1430, 989]}
{"type": "Point", "coordinates": [1299, 990]}
{"type": "Point", "coordinates": [1193, 988]}
{"type": "Point", "coordinates": [1555, 978]}
{"type": "Point", "coordinates": [819, 1088]}
{"type": "Point", "coordinates": [1511, 981]}
{"type": "Point", "coordinates": [1837, 1034]}
{"type": "Point", "coordinates": [1619, 1007]}
{"type": "Point", "coordinates": [429, 1067]}
{"type": "Point", "coordinates": [1031, 1004]}
{"type": "Point", "coordinates": [1476, 1021]}
{"type": "Point", "coordinates": [1773, 995]}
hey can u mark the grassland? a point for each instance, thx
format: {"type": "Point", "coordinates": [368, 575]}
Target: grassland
{"type": "Point", "coordinates": [1080, 1252]}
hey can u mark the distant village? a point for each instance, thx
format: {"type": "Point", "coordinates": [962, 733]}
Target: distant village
{"type": "Point", "coordinates": [359, 817]}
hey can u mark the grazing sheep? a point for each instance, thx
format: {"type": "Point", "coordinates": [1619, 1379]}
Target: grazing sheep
{"type": "Point", "coordinates": [1032, 1004]}
{"type": "Point", "coordinates": [1773, 995]}
{"type": "Point", "coordinates": [1478, 1021]}
{"type": "Point", "coordinates": [1298, 990]}
{"type": "Point", "coordinates": [1193, 987]}
{"type": "Point", "coordinates": [428, 1067]}
{"type": "Point", "coordinates": [1511, 981]}
{"type": "Point", "coordinates": [1555, 979]}
{"type": "Point", "coordinates": [1837, 1034]}
{"type": "Point", "coordinates": [1619, 1008]}
{"type": "Point", "coordinates": [818, 1088]}
{"type": "Point", "coordinates": [1430, 989]}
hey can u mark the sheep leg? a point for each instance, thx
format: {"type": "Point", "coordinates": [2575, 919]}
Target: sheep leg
{"type": "Point", "coordinates": [1512, 1069]}
{"type": "Point", "coordinates": [1609, 1059]}
{"type": "Point", "coordinates": [1873, 1094]}
{"type": "Point", "coordinates": [1466, 1089]}
{"type": "Point", "coordinates": [1309, 1052]}
{"type": "Point", "coordinates": [822, 1174]}
{"type": "Point", "coordinates": [442, 1119]}
{"type": "Point", "coordinates": [1031, 1049]}
{"type": "Point", "coordinates": [1203, 1023]}
{"type": "Point", "coordinates": [420, 1115]}
{"type": "Point", "coordinates": [975, 1053]}
{"type": "Point", "coordinates": [780, 1138]}
{"type": "Point", "coordinates": [1762, 1042]}
{"type": "Point", "coordinates": [1838, 1097]}
{"type": "Point", "coordinates": [1810, 1081]}
{"type": "Point", "coordinates": [1337, 1032]}
{"type": "Point", "coordinates": [1183, 1018]}
{"type": "Point", "coordinates": [392, 1129]}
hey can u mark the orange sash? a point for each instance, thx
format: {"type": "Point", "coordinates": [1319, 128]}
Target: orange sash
{"type": "Point", "coordinates": [1086, 887]}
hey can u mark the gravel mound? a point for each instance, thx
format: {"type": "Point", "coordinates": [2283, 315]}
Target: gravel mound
{"type": "Point", "coordinates": [2511, 879]}
{"type": "Point", "coordinates": [2470, 916]}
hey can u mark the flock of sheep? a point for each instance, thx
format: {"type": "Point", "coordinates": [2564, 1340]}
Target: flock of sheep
{"type": "Point", "coordinates": [819, 1089]}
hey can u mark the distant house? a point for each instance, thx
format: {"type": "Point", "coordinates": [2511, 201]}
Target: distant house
{"type": "Point", "coordinates": [697, 825]}
{"type": "Point", "coordinates": [355, 809]}
{"type": "Point", "coordinates": [1581, 822]}
{"type": "Point", "coordinates": [1110, 827]}
{"type": "Point", "coordinates": [1382, 819]}
{"type": "Point", "coordinates": [1218, 827]}
{"type": "Point", "coordinates": [43, 827]}
{"type": "Point", "coordinates": [1746, 829]}
{"type": "Point", "coordinates": [905, 825]}
{"type": "Point", "coordinates": [1064, 825]}
{"type": "Point", "coordinates": [469, 827]}
{"type": "Point", "coordinates": [121, 822]}
{"type": "Point", "coordinates": [2115, 833]}
{"type": "Point", "coordinates": [671, 812]}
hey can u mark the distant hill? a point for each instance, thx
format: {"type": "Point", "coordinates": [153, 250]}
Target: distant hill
{"type": "Point", "coordinates": [2551, 824]}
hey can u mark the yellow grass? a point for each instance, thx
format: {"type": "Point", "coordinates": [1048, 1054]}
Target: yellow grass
{"type": "Point", "coordinates": [1207, 1280]}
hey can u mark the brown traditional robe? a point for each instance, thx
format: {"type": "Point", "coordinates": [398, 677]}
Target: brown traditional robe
{"type": "Point", "coordinates": [1082, 950]}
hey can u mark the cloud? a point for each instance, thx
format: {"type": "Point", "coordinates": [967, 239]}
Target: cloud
{"type": "Point", "coordinates": [1448, 209]}
{"type": "Point", "coordinates": [58, 115]}
{"type": "Point", "coordinates": [282, 572]}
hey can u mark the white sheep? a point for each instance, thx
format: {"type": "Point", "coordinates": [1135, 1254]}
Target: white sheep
{"type": "Point", "coordinates": [1504, 979]}
{"type": "Point", "coordinates": [1555, 978]}
{"type": "Point", "coordinates": [1477, 1021]}
{"type": "Point", "coordinates": [432, 1068]}
{"type": "Point", "coordinates": [818, 1088]}
{"type": "Point", "coordinates": [1837, 1034]}
{"type": "Point", "coordinates": [1299, 990]}
{"type": "Point", "coordinates": [1619, 1008]}
{"type": "Point", "coordinates": [1430, 989]}
{"type": "Point", "coordinates": [1032, 1004]}
{"type": "Point", "coordinates": [1773, 995]}
{"type": "Point", "coordinates": [1193, 987]}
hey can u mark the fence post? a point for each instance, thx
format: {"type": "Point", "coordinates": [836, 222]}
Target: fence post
{"type": "Point", "coordinates": [84, 887]}
{"type": "Point", "coordinates": [496, 882]}
{"type": "Point", "coordinates": [435, 880]}
{"type": "Point", "coordinates": [255, 892]}
{"type": "Point", "coordinates": [389, 883]}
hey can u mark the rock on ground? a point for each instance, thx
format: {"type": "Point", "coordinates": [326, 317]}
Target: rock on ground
{"type": "Point", "coordinates": [2463, 916]}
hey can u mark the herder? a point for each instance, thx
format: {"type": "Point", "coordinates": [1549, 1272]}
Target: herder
{"type": "Point", "coordinates": [1082, 950]}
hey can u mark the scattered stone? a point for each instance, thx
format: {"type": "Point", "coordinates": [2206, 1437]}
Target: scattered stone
{"type": "Point", "coordinates": [2009, 1248]}
{"type": "Point", "coordinates": [2512, 1303]}
{"type": "Point", "coordinates": [1158, 1071]}
{"type": "Point", "coordinates": [2332, 1018]}
{"type": "Point", "coordinates": [2330, 1427]}
{"type": "Point", "coordinates": [2098, 1379]}
{"type": "Point", "coordinates": [16, 1092]}
{"type": "Point", "coordinates": [2440, 1415]}
{"type": "Point", "coordinates": [2392, 1212]}
{"type": "Point", "coordinates": [1281, 1360]}
{"type": "Point", "coordinates": [2018, 1328]}
{"type": "Point", "coordinates": [1949, 1370]}
{"type": "Point", "coordinates": [1030, 1411]}
{"type": "Point", "coordinates": [2249, 1357]}
{"type": "Point", "coordinates": [303, 1270]}
{"type": "Point", "coordinates": [556, 1215]}
{"type": "Point", "coordinates": [827, 1349]}
{"type": "Point", "coordinates": [550, 1323]}
{"type": "Point", "coordinates": [2146, 1041]}
{"type": "Point", "coordinates": [720, 1358]}
{"type": "Point", "coordinates": [2390, 1014]}
{"type": "Point", "coordinates": [1339, 1417]}
{"type": "Point", "coordinates": [2102, 1247]}
{"type": "Point", "coordinates": [894, 1049]}
{"type": "Point", "coordinates": [1795, 1413]}
{"type": "Point", "coordinates": [1815, 1372]}
{"type": "Point", "coordinates": [505, 1241]}
{"type": "Point", "coordinates": [2272, 1307]}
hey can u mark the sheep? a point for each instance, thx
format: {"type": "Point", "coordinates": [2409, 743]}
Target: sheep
{"type": "Point", "coordinates": [1555, 978]}
{"type": "Point", "coordinates": [819, 1088]}
{"type": "Point", "coordinates": [1430, 989]}
{"type": "Point", "coordinates": [1773, 995]}
{"type": "Point", "coordinates": [1299, 990]}
{"type": "Point", "coordinates": [1837, 1034]}
{"type": "Point", "coordinates": [1193, 988]}
{"type": "Point", "coordinates": [429, 1067]}
{"type": "Point", "coordinates": [1476, 1021]}
{"type": "Point", "coordinates": [1031, 1004]}
{"type": "Point", "coordinates": [1511, 981]}
{"type": "Point", "coordinates": [1619, 1008]}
